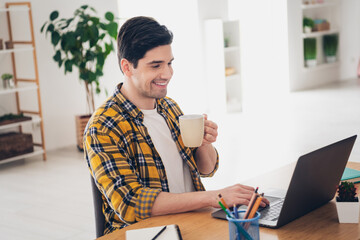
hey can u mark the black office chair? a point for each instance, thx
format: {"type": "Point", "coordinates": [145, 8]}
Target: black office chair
{"type": "Point", "coordinates": [99, 215]}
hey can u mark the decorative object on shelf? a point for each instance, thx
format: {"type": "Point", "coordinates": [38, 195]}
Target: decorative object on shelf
{"type": "Point", "coordinates": [321, 25]}
{"type": "Point", "coordinates": [347, 204]}
{"type": "Point", "coordinates": [230, 71]}
{"type": "Point", "coordinates": [330, 44]}
{"type": "Point", "coordinates": [13, 144]}
{"type": "Point", "coordinates": [1, 44]}
{"type": "Point", "coordinates": [13, 118]}
{"type": "Point", "coordinates": [83, 41]}
{"type": "Point", "coordinates": [8, 81]}
{"type": "Point", "coordinates": [310, 52]}
{"type": "Point", "coordinates": [358, 70]}
{"type": "Point", "coordinates": [9, 45]}
{"type": "Point", "coordinates": [308, 25]}
{"type": "Point", "coordinates": [226, 42]}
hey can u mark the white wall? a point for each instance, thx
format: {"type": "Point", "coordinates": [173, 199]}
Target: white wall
{"type": "Point", "coordinates": [187, 85]}
{"type": "Point", "coordinates": [62, 96]}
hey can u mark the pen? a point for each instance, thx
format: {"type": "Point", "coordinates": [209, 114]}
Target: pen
{"type": "Point", "coordinates": [158, 234]}
{"type": "Point", "coordinates": [236, 214]}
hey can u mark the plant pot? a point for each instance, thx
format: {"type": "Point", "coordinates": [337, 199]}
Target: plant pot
{"type": "Point", "coordinates": [348, 212]}
{"type": "Point", "coordinates": [330, 59]}
{"type": "Point", "coordinates": [9, 45]}
{"type": "Point", "coordinates": [8, 83]}
{"type": "Point", "coordinates": [81, 121]}
{"type": "Point", "coordinates": [310, 63]}
{"type": "Point", "coordinates": [307, 29]}
{"type": "Point", "coordinates": [1, 44]}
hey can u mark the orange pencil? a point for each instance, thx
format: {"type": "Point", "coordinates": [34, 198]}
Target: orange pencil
{"type": "Point", "coordinates": [251, 203]}
{"type": "Point", "coordinates": [223, 201]}
{"type": "Point", "coordinates": [256, 206]}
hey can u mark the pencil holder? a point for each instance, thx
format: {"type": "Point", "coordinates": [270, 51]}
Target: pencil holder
{"type": "Point", "coordinates": [241, 228]}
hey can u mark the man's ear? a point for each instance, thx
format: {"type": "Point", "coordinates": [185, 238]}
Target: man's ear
{"type": "Point", "coordinates": [126, 67]}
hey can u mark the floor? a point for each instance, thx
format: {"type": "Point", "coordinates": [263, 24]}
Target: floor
{"type": "Point", "coordinates": [52, 199]}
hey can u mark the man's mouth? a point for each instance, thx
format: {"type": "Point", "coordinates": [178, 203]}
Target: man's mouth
{"type": "Point", "coordinates": [161, 83]}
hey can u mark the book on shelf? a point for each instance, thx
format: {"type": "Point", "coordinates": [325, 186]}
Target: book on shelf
{"type": "Point", "coordinates": [351, 175]}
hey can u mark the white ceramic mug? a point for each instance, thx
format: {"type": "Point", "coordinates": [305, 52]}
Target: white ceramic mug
{"type": "Point", "coordinates": [192, 129]}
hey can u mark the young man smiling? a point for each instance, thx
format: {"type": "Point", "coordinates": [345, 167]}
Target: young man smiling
{"type": "Point", "coordinates": [133, 144]}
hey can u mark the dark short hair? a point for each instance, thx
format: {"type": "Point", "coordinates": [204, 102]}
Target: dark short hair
{"type": "Point", "coordinates": [139, 35]}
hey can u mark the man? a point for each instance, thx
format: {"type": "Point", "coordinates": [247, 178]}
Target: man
{"type": "Point", "coordinates": [133, 144]}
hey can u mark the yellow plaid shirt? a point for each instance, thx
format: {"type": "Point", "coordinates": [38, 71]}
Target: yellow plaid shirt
{"type": "Point", "coordinates": [124, 162]}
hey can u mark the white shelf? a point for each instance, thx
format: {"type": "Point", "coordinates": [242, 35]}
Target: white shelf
{"type": "Point", "coordinates": [317, 5]}
{"type": "Point", "coordinates": [37, 151]}
{"type": "Point", "coordinates": [14, 9]}
{"type": "Point", "coordinates": [319, 33]}
{"type": "Point", "coordinates": [17, 89]}
{"type": "Point", "coordinates": [35, 119]}
{"type": "Point", "coordinates": [232, 77]}
{"type": "Point", "coordinates": [231, 49]}
{"type": "Point", "coordinates": [16, 50]}
{"type": "Point", "coordinates": [321, 66]}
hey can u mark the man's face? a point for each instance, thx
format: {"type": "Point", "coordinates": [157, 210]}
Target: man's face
{"type": "Point", "coordinates": [153, 73]}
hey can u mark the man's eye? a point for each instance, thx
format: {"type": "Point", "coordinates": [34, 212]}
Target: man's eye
{"type": "Point", "coordinates": [155, 66]}
{"type": "Point", "coordinates": [170, 63]}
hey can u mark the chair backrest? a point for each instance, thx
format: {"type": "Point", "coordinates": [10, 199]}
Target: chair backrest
{"type": "Point", "coordinates": [99, 215]}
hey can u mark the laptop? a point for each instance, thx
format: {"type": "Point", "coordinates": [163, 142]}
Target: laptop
{"type": "Point", "coordinates": [312, 185]}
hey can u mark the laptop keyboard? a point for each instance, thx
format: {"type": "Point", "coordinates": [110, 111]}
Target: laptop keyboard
{"type": "Point", "coordinates": [272, 213]}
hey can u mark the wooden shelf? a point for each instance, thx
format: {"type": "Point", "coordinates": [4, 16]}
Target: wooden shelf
{"type": "Point", "coordinates": [17, 89]}
{"type": "Point", "coordinates": [37, 151]}
{"type": "Point", "coordinates": [320, 33]}
{"type": "Point", "coordinates": [16, 50]}
{"type": "Point", "coordinates": [14, 9]}
{"type": "Point", "coordinates": [35, 119]}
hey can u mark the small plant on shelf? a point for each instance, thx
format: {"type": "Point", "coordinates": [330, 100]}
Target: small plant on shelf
{"type": "Point", "coordinates": [347, 192]}
{"type": "Point", "coordinates": [310, 51]}
{"type": "Point", "coordinates": [308, 25]}
{"type": "Point", "coordinates": [7, 80]}
{"type": "Point", "coordinates": [330, 43]}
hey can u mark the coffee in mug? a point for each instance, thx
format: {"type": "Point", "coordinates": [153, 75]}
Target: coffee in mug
{"type": "Point", "coordinates": [192, 129]}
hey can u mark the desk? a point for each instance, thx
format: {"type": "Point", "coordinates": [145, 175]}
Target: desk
{"type": "Point", "coordinates": [321, 223]}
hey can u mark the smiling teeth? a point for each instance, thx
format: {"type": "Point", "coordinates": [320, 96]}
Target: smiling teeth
{"type": "Point", "coordinates": [162, 84]}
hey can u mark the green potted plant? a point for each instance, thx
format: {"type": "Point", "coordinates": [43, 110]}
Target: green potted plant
{"type": "Point", "coordinates": [308, 25]}
{"type": "Point", "coordinates": [330, 44]}
{"type": "Point", "coordinates": [347, 204]}
{"type": "Point", "coordinates": [82, 41]}
{"type": "Point", "coordinates": [310, 52]}
{"type": "Point", "coordinates": [8, 81]}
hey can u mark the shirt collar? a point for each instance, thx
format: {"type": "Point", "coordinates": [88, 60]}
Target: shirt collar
{"type": "Point", "coordinates": [130, 108]}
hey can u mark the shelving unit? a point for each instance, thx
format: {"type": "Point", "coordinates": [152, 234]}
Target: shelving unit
{"type": "Point", "coordinates": [225, 93]}
{"type": "Point", "coordinates": [327, 10]}
{"type": "Point", "coordinates": [23, 84]}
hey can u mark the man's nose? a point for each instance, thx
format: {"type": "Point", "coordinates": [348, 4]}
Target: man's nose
{"type": "Point", "coordinates": [167, 72]}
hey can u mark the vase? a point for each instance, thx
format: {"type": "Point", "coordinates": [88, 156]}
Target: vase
{"type": "Point", "coordinates": [348, 212]}
{"type": "Point", "coordinates": [310, 63]}
{"type": "Point", "coordinates": [8, 83]}
{"type": "Point", "coordinates": [330, 59]}
{"type": "Point", "coordinates": [81, 122]}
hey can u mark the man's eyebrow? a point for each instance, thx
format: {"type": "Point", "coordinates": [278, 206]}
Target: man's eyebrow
{"type": "Point", "coordinates": [158, 61]}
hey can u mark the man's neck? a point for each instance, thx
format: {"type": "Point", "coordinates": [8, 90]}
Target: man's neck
{"type": "Point", "coordinates": [140, 102]}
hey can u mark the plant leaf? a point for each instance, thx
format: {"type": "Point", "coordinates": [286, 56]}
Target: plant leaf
{"type": "Point", "coordinates": [57, 56]}
{"type": "Point", "coordinates": [50, 28]}
{"type": "Point", "coordinates": [109, 16]}
{"type": "Point", "coordinates": [68, 66]}
{"type": "Point", "coordinates": [112, 29]}
{"type": "Point", "coordinates": [54, 15]}
{"type": "Point", "coordinates": [55, 38]}
{"type": "Point", "coordinates": [42, 28]}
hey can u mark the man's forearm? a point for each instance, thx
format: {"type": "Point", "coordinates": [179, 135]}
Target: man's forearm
{"type": "Point", "coordinates": [206, 158]}
{"type": "Point", "coordinates": [168, 203]}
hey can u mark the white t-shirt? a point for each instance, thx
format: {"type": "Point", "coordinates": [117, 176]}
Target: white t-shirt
{"type": "Point", "coordinates": [177, 171]}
